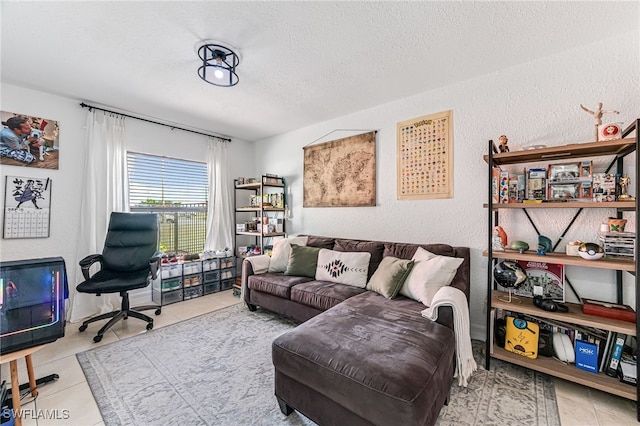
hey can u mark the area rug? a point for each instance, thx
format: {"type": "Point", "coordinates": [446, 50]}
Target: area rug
{"type": "Point", "coordinates": [216, 369]}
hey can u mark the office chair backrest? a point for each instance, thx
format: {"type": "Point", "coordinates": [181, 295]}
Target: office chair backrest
{"type": "Point", "coordinates": [131, 240]}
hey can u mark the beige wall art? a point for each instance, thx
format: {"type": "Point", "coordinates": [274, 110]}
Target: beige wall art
{"type": "Point", "coordinates": [425, 157]}
{"type": "Point", "coordinates": [341, 173]}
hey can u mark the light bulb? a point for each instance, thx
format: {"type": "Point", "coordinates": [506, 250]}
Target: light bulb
{"type": "Point", "coordinates": [218, 74]}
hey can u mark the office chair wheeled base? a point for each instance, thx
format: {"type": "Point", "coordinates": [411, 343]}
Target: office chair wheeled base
{"type": "Point", "coordinates": [124, 313]}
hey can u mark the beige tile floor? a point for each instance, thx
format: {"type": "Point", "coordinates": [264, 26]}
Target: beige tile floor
{"type": "Point", "coordinates": [578, 405]}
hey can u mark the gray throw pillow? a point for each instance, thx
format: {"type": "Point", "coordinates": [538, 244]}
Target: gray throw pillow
{"type": "Point", "coordinates": [390, 275]}
{"type": "Point", "coordinates": [303, 261]}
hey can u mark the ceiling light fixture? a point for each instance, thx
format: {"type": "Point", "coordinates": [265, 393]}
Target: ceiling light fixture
{"type": "Point", "coordinates": [218, 65]}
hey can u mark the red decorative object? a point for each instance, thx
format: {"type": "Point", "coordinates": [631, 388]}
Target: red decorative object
{"type": "Point", "coordinates": [608, 310]}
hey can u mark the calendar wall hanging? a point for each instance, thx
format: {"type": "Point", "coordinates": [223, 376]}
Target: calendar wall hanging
{"type": "Point", "coordinates": [27, 203]}
{"type": "Point", "coordinates": [425, 157]}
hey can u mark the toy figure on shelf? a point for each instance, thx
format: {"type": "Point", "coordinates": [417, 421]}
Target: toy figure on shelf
{"type": "Point", "coordinates": [499, 241]}
{"type": "Point", "coordinates": [624, 182]}
{"type": "Point", "coordinates": [503, 144]}
{"type": "Point", "coordinates": [544, 245]}
{"type": "Point", "coordinates": [597, 115]}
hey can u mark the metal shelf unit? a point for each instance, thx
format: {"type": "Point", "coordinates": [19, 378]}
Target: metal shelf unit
{"type": "Point", "coordinates": [619, 149]}
{"type": "Point", "coordinates": [268, 185]}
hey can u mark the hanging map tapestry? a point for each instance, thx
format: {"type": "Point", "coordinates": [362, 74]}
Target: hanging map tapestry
{"type": "Point", "coordinates": [425, 157]}
{"type": "Point", "coordinates": [341, 173]}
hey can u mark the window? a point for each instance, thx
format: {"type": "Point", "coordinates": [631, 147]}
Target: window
{"type": "Point", "coordinates": [175, 189]}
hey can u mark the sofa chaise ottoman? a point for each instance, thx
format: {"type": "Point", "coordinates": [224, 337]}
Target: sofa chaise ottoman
{"type": "Point", "coordinates": [359, 358]}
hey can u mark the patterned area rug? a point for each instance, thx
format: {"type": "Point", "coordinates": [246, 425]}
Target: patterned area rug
{"type": "Point", "coordinates": [216, 370]}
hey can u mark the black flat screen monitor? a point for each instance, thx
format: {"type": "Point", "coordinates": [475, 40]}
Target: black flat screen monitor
{"type": "Point", "coordinates": [32, 294]}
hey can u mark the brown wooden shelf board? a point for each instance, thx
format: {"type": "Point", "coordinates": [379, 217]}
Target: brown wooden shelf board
{"type": "Point", "coordinates": [532, 256]}
{"type": "Point", "coordinates": [574, 316]}
{"type": "Point", "coordinates": [571, 373]}
{"type": "Point", "coordinates": [564, 152]}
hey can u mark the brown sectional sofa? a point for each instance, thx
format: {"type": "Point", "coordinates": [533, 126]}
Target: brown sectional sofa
{"type": "Point", "coordinates": [359, 358]}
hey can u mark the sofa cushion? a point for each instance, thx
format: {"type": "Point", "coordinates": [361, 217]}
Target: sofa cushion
{"type": "Point", "coordinates": [323, 294]}
{"type": "Point", "coordinates": [321, 242]}
{"type": "Point", "coordinates": [406, 251]}
{"type": "Point", "coordinates": [390, 275]}
{"type": "Point", "coordinates": [275, 284]}
{"type": "Point", "coordinates": [281, 251]}
{"type": "Point", "coordinates": [376, 249]}
{"type": "Point", "coordinates": [348, 268]}
{"type": "Point", "coordinates": [302, 261]}
{"type": "Point", "coordinates": [350, 354]}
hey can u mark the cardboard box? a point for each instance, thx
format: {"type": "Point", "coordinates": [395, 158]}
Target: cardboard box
{"type": "Point", "coordinates": [504, 187]}
{"type": "Point", "coordinates": [604, 187]}
{"type": "Point", "coordinates": [536, 184]}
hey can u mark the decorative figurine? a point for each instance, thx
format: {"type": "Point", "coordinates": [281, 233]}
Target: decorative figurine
{"type": "Point", "coordinates": [597, 115]}
{"type": "Point", "coordinates": [624, 182]}
{"type": "Point", "coordinates": [503, 143]}
{"type": "Point", "coordinates": [544, 245]}
{"type": "Point", "coordinates": [499, 240]}
{"type": "Point", "coordinates": [520, 246]}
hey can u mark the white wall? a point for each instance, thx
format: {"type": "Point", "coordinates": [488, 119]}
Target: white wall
{"type": "Point", "coordinates": [534, 103]}
{"type": "Point", "coordinates": [65, 215]}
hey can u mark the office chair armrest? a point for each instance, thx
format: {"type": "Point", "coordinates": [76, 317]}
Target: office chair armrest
{"type": "Point", "coordinates": [154, 264]}
{"type": "Point", "coordinates": [85, 264]}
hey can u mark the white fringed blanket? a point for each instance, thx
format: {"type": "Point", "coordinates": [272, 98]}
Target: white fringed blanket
{"type": "Point", "coordinates": [451, 296]}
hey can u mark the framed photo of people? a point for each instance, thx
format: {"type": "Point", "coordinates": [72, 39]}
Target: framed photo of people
{"type": "Point", "coordinates": [425, 157]}
{"type": "Point", "coordinates": [29, 141]}
{"type": "Point", "coordinates": [27, 207]}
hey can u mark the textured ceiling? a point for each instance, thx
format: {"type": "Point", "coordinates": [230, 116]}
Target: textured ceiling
{"type": "Point", "coordinates": [302, 62]}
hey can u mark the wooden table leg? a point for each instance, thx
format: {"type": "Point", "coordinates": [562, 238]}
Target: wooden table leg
{"type": "Point", "coordinates": [15, 391]}
{"type": "Point", "coordinates": [32, 377]}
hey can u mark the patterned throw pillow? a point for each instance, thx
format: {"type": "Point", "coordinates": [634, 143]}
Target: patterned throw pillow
{"type": "Point", "coordinates": [343, 267]}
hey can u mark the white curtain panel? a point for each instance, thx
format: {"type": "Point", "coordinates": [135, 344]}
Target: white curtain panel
{"type": "Point", "coordinates": [220, 211]}
{"type": "Point", "coordinates": [104, 191]}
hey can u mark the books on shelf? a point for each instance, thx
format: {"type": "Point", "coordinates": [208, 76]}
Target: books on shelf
{"type": "Point", "coordinates": [616, 353]}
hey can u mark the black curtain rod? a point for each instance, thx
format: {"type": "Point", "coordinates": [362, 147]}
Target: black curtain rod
{"type": "Point", "coordinates": [83, 105]}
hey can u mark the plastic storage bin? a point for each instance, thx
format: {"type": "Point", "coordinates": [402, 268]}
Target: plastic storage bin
{"type": "Point", "coordinates": [192, 292]}
{"type": "Point", "coordinates": [167, 297]}
{"type": "Point", "coordinates": [211, 276]}
{"type": "Point", "coordinates": [212, 287]}
{"type": "Point", "coordinates": [192, 280]}
{"type": "Point", "coordinates": [227, 284]}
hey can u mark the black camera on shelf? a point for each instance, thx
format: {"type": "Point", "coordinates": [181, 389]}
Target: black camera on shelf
{"type": "Point", "coordinates": [549, 305]}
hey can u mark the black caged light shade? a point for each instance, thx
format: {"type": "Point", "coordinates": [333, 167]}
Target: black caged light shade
{"type": "Point", "coordinates": [218, 65]}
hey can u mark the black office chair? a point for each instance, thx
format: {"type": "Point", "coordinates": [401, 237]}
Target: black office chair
{"type": "Point", "coordinates": [128, 261]}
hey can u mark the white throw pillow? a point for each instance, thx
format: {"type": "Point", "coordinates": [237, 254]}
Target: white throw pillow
{"type": "Point", "coordinates": [422, 254]}
{"type": "Point", "coordinates": [282, 250]}
{"type": "Point", "coordinates": [430, 272]}
{"type": "Point", "coordinates": [343, 267]}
